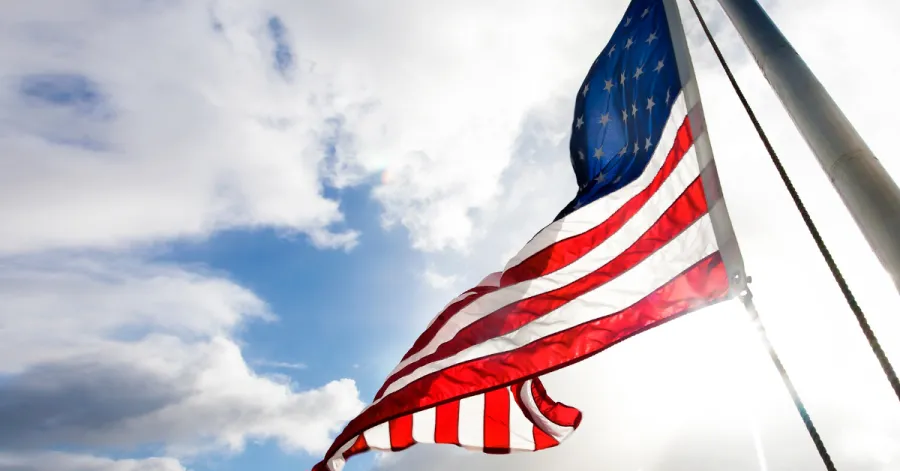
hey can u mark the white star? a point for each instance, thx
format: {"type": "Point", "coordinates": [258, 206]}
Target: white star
{"type": "Point", "coordinates": [633, 109]}
{"type": "Point", "coordinates": [636, 148]}
{"type": "Point", "coordinates": [600, 177]}
{"type": "Point", "coordinates": [668, 95]}
{"type": "Point", "coordinates": [609, 85]}
{"type": "Point", "coordinates": [652, 38]}
{"type": "Point", "coordinates": [645, 13]}
{"type": "Point", "coordinates": [622, 78]}
{"type": "Point", "coordinates": [611, 51]}
{"type": "Point", "coordinates": [579, 122]}
{"type": "Point", "coordinates": [650, 104]}
{"type": "Point", "coordinates": [627, 21]}
{"type": "Point", "coordinates": [587, 87]}
{"type": "Point", "coordinates": [604, 119]}
{"type": "Point", "coordinates": [624, 115]}
{"type": "Point", "coordinates": [617, 180]}
{"type": "Point", "coordinates": [639, 72]}
{"type": "Point", "coordinates": [624, 149]}
{"type": "Point", "coordinates": [628, 43]}
{"type": "Point", "coordinates": [580, 155]}
{"type": "Point", "coordinates": [647, 144]}
{"type": "Point", "coordinates": [659, 66]}
{"type": "Point", "coordinates": [598, 153]}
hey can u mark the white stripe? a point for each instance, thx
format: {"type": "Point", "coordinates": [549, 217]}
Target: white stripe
{"type": "Point", "coordinates": [337, 462]}
{"type": "Point", "coordinates": [558, 432]}
{"type": "Point", "coordinates": [471, 422]}
{"type": "Point", "coordinates": [685, 173]}
{"type": "Point", "coordinates": [379, 436]}
{"type": "Point", "coordinates": [685, 250]}
{"type": "Point", "coordinates": [521, 434]}
{"type": "Point", "coordinates": [423, 425]}
{"type": "Point", "coordinates": [589, 216]}
{"type": "Point", "coordinates": [491, 280]}
{"type": "Point", "coordinates": [454, 301]}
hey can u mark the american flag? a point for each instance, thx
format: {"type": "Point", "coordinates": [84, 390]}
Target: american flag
{"type": "Point", "coordinates": [646, 239]}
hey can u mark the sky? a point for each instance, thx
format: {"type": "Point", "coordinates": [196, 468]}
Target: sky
{"type": "Point", "coordinates": [224, 221]}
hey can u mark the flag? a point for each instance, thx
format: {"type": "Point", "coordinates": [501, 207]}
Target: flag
{"type": "Point", "coordinates": [645, 240]}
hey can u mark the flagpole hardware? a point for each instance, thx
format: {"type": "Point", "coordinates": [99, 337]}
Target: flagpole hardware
{"type": "Point", "coordinates": [746, 297]}
{"type": "Point", "coordinates": [742, 279]}
{"type": "Point", "coordinates": [740, 283]}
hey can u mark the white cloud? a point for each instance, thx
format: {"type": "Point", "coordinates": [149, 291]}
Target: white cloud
{"type": "Point", "coordinates": [439, 281]}
{"type": "Point", "coordinates": [137, 123]}
{"type": "Point", "coordinates": [283, 364]}
{"type": "Point", "coordinates": [118, 354]}
{"type": "Point", "coordinates": [175, 129]}
{"type": "Point", "coordinates": [73, 462]}
{"type": "Point", "coordinates": [107, 301]}
{"type": "Point", "coordinates": [448, 86]}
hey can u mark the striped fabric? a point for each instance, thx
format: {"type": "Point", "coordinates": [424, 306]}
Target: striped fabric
{"type": "Point", "coordinates": [641, 244]}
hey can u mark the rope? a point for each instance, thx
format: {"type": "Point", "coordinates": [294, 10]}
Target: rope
{"type": "Point", "coordinates": [747, 298]}
{"type": "Point", "coordinates": [835, 272]}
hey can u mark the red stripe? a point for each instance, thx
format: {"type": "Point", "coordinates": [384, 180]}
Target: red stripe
{"type": "Point", "coordinates": [566, 251]}
{"type": "Point", "coordinates": [689, 207]}
{"type": "Point", "coordinates": [442, 318]}
{"type": "Point", "coordinates": [703, 284]}
{"type": "Point", "coordinates": [496, 421]}
{"type": "Point", "coordinates": [446, 423]}
{"type": "Point", "coordinates": [360, 446]}
{"type": "Point", "coordinates": [557, 412]}
{"type": "Point", "coordinates": [401, 432]}
{"type": "Point", "coordinates": [542, 440]}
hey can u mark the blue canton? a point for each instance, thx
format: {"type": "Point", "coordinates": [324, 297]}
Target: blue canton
{"type": "Point", "coordinates": [623, 104]}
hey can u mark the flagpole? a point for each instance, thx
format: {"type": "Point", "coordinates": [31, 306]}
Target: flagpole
{"type": "Point", "coordinates": [865, 187]}
{"type": "Point", "coordinates": [859, 157]}
{"type": "Point", "coordinates": [746, 297]}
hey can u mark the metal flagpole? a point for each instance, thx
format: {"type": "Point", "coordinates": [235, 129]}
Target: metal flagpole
{"type": "Point", "coordinates": [867, 190]}
{"type": "Point", "coordinates": [853, 158]}
{"type": "Point", "coordinates": [747, 298]}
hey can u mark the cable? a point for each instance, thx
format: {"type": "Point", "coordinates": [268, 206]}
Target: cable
{"type": "Point", "coordinates": [747, 298]}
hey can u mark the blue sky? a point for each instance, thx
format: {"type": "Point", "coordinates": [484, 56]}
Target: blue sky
{"type": "Point", "coordinates": [224, 222]}
{"type": "Point", "coordinates": [340, 314]}
{"type": "Point", "coordinates": [328, 296]}
{"type": "Point", "coordinates": [323, 298]}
